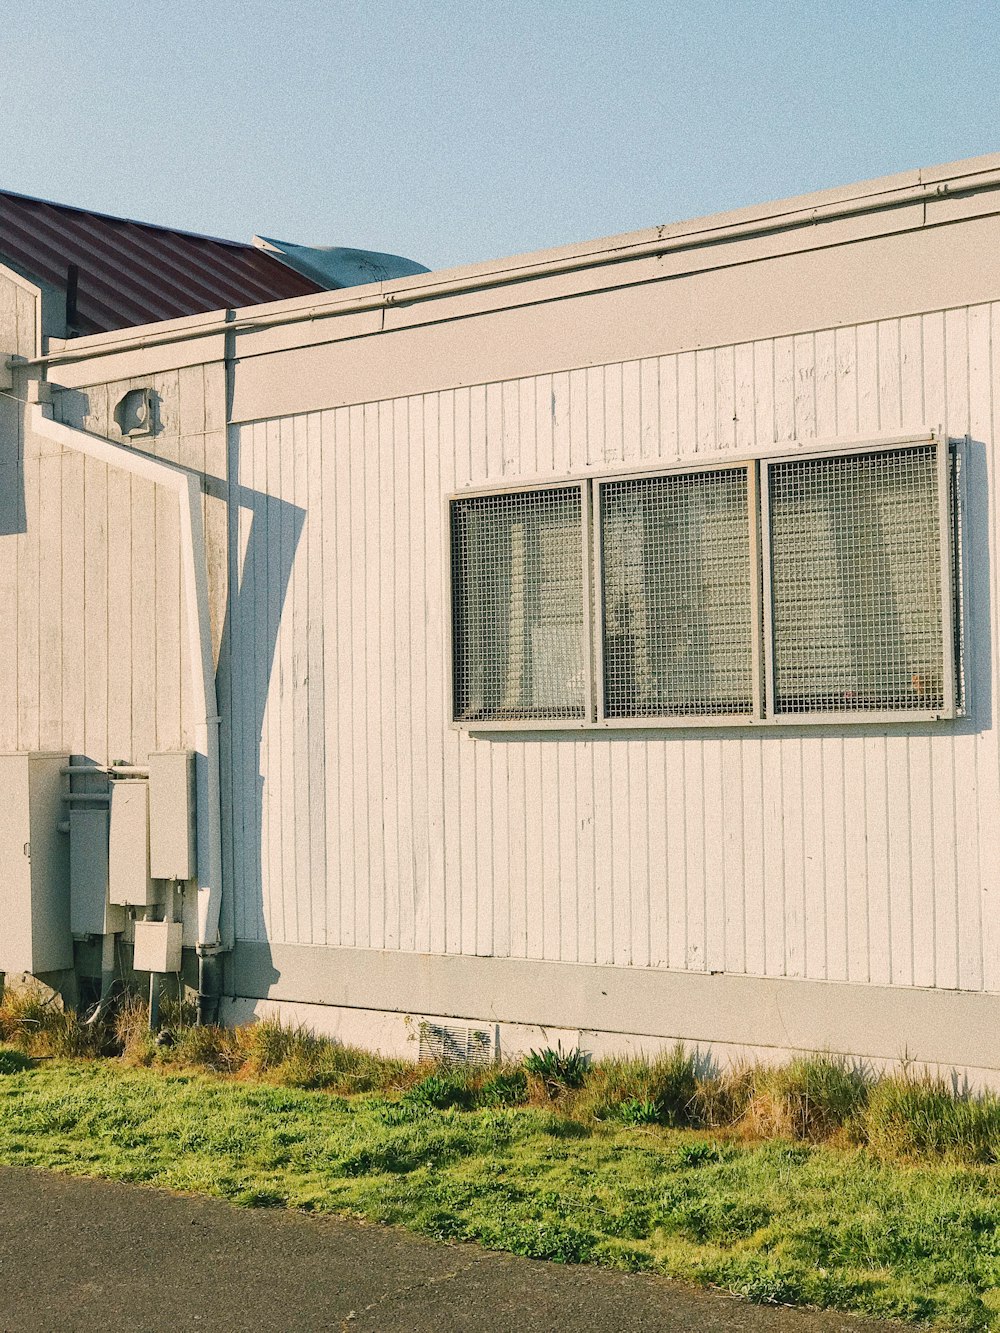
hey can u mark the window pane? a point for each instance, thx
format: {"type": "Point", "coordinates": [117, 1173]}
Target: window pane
{"type": "Point", "coordinates": [677, 603]}
{"type": "Point", "coordinates": [856, 577]}
{"type": "Point", "coordinates": [517, 581]}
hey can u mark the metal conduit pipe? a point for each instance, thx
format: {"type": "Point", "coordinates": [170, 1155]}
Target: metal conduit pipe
{"type": "Point", "coordinates": [434, 286]}
{"type": "Point", "coordinates": [187, 488]}
{"type": "Point", "coordinates": [103, 770]}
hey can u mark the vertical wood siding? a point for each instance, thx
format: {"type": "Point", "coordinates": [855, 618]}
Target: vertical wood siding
{"type": "Point", "coordinates": [91, 634]}
{"type": "Point", "coordinates": [848, 854]}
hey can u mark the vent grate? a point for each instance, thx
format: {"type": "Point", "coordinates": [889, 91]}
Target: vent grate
{"type": "Point", "coordinates": [456, 1045]}
{"type": "Point", "coordinates": [856, 583]}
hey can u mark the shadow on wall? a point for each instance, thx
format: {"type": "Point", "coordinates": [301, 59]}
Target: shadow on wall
{"type": "Point", "coordinates": [976, 601]}
{"type": "Point", "coordinates": [13, 518]}
{"type": "Point", "coordinates": [135, 419]}
{"type": "Point", "coordinates": [257, 596]}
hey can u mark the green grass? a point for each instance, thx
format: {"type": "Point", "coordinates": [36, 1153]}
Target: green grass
{"type": "Point", "coordinates": [773, 1221]}
{"type": "Point", "coordinates": [810, 1183]}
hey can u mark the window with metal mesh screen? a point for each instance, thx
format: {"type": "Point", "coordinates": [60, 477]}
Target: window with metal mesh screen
{"type": "Point", "coordinates": [856, 583]}
{"type": "Point", "coordinates": [517, 606]}
{"type": "Point", "coordinates": [676, 584]}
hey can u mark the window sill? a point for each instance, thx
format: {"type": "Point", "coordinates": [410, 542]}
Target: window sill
{"type": "Point", "coordinates": [741, 722]}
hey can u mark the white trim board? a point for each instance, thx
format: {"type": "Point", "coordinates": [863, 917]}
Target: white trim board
{"type": "Point", "coordinates": [939, 1027]}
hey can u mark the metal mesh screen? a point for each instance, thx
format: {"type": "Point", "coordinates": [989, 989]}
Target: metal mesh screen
{"type": "Point", "coordinates": [517, 605]}
{"type": "Point", "coordinates": [677, 595]}
{"type": "Point", "coordinates": [856, 583]}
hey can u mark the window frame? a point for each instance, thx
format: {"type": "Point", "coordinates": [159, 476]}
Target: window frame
{"type": "Point", "coordinates": [587, 592]}
{"type": "Point", "coordinates": [685, 720]}
{"type": "Point", "coordinates": [946, 543]}
{"type": "Point", "coordinates": [757, 467]}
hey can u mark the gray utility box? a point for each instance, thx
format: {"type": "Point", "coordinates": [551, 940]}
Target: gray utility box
{"type": "Point", "coordinates": [129, 882]}
{"type": "Point", "coordinates": [171, 815]}
{"type": "Point", "coordinates": [34, 865]}
{"type": "Point", "coordinates": [90, 911]}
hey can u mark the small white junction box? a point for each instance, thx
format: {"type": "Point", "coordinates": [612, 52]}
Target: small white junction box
{"type": "Point", "coordinates": [157, 946]}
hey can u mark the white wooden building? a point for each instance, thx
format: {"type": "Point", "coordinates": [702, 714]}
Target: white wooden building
{"type": "Point", "coordinates": [603, 639]}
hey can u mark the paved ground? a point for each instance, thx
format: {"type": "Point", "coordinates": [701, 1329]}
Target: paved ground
{"type": "Point", "coordinates": [81, 1254]}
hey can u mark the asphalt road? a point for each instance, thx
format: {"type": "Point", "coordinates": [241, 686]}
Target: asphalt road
{"type": "Point", "coordinates": [87, 1254]}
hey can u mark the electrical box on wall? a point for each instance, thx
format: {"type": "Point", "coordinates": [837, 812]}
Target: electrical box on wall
{"type": "Point", "coordinates": [171, 815]}
{"type": "Point", "coordinates": [157, 946]}
{"type": "Point", "coordinates": [129, 881]}
{"type": "Point", "coordinates": [90, 911]}
{"type": "Point", "coordinates": [34, 897]}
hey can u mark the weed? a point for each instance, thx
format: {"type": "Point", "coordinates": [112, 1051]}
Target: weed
{"type": "Point", "coordinates": [811, 1100]}
{"type": "Point", "coordinates": [722, 1100]}
{"type": "Point", "coordinates": [697, 1154]}
{"type": "Point", "coordinates": [557, 1070]}
{"type": "Point", "coordinates": [269, 1044]}
{"type": "Point", "coordinates": [636, 1112]}
{"type": "Point", "coordinates": [553, 1240]}
{"type": "Point", "coordinates": [775, 1220]}
{"type": "Point", "coordinates": [443, 1090]}
{"type": "Point", "coordinates": [506, 1088]}
{"type": "Point", "coordinates": [27, 1011]}
{"type": "Point", "coordinates": [131, 1031]}
{"type": "Point", "coordinates": [673, 1085]}
{"type": "Point", "coordinates": [207, 1047]}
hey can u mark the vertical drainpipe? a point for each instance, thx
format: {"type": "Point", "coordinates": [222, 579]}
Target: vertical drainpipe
{"type": "Point", "coordinates": [187, 488]}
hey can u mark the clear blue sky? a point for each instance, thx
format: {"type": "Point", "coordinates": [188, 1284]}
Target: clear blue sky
{"type": "Point", "coordinates": [452, 130]}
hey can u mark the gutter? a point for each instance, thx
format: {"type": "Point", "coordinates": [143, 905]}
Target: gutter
{"type": "Point", "coordinates": [694, 239]}
{"type": "Point", "coordinates": [186, 487]}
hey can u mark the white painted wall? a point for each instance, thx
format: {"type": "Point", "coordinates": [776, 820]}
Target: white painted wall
{"type": "Point", "coordinates": [846, 853]}
{"type": "Point", "coordinates": [92, 659]}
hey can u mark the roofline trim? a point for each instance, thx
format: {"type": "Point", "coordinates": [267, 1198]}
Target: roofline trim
{"type": "Point", "coordinates": [787, 215]}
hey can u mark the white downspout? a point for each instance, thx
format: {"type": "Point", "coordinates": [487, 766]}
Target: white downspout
{"type": "Point", "coordinates": [187, 488]}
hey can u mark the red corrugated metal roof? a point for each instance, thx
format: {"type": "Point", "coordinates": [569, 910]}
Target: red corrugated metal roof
{"type": "Point", "coordinates": [133, 272]}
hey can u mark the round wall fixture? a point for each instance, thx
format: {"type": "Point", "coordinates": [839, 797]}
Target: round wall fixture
{"type": "Point", "coordinates": [135, 414]}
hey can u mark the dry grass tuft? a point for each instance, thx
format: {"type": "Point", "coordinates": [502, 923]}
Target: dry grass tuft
{"type": "Point", "coordinates": [295, 1057]}
{"type": "Point", "coordinates": [637, 1091]}
{"type": "Point", "coordinates": [813, 1099]}
{"type": "Point", "coordinates": [131, 1030]}
{"type": "Point", "coordinates": [722, 1100]}
{"type": "Point", "coordinates": [34, 1020]}
{"type": "Point", "coordinates": [920, 1117]}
